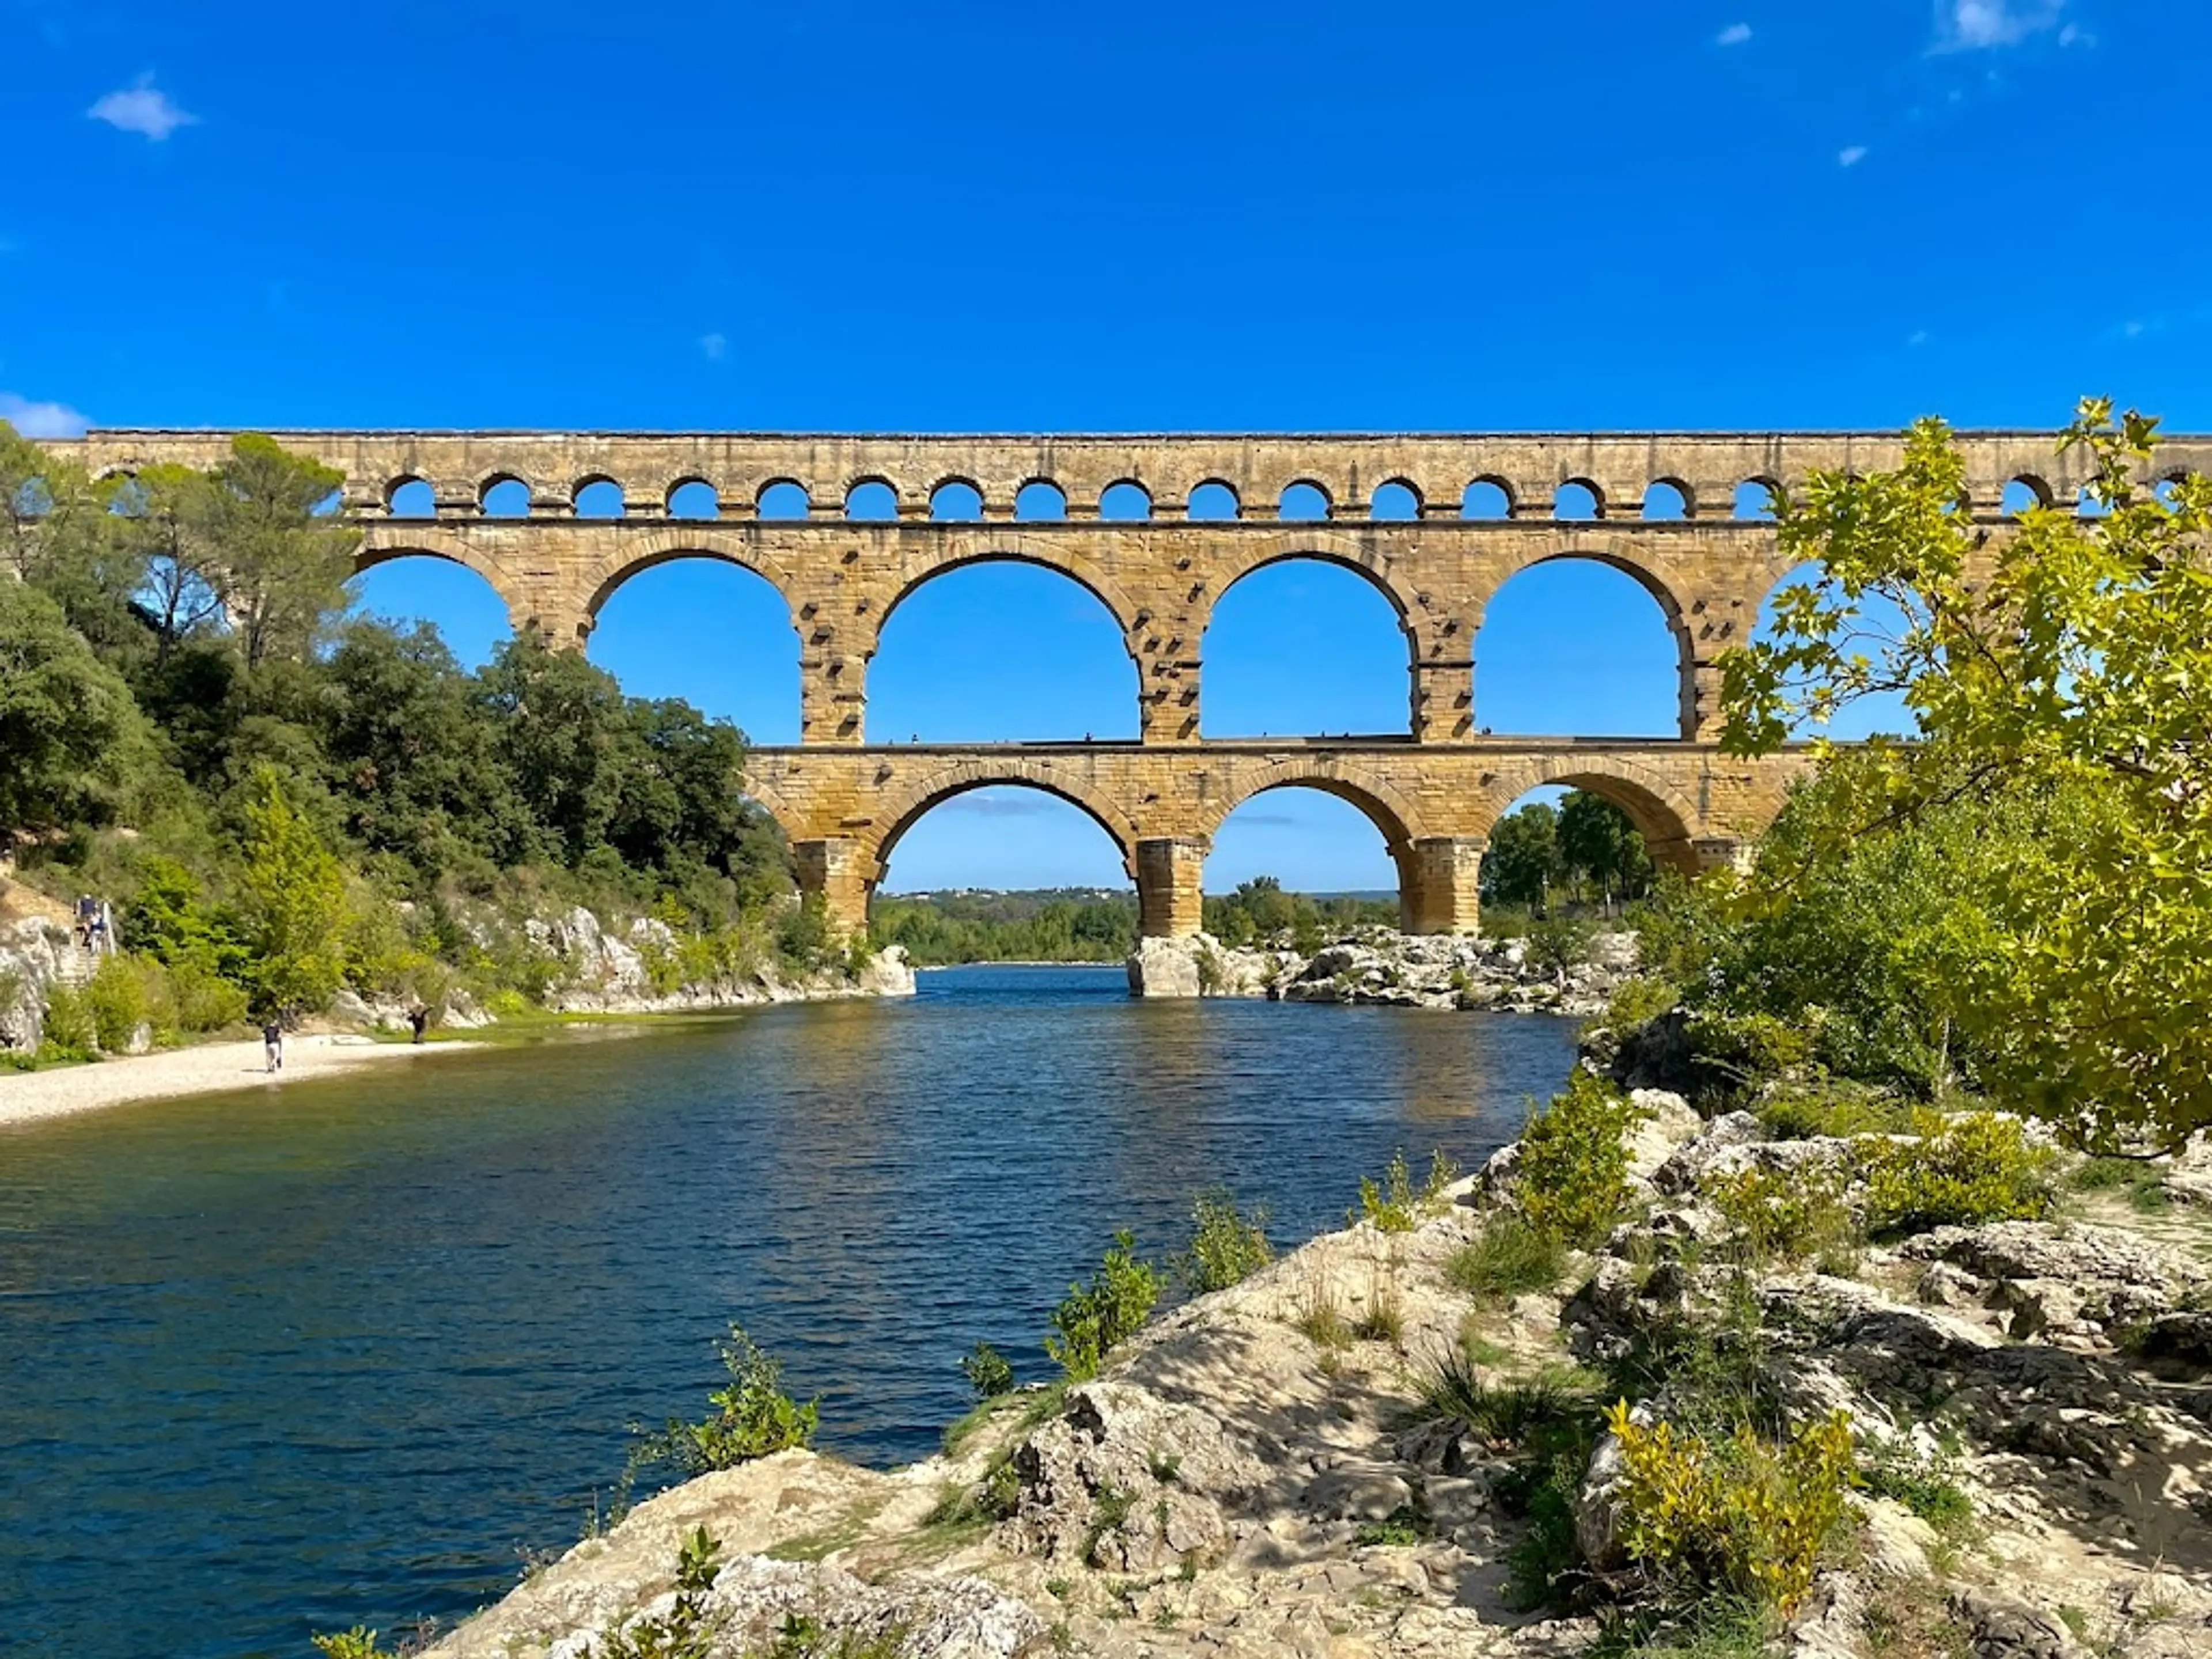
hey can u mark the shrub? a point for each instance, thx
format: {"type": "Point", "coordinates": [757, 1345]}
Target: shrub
{"type": "Point", "coordinates": [1507, 1414]}
{"type": "Point", "coordinates": [69, 1033]}
{"type": "Point", "coordinates": [1508, 1256]}
{"type": "Point", "coordinates": [116, 998]}
{"type": "Point", "coordinates": [1738, 1514]}
{"type": "Point", "coordinates": [359, 1642]}
{"type": "Point", "coordinates": [1927, 1486]}
{"type": "Point", "coordinates": [1958, 1171]}
{"type": "Point", "coordinates": [1573, 1175]}
{"type": "Point", "coordinates": [1805, 1110]}
{"type": "Point", "coordinates": [1394, 1205]}
{"type": "Point", "coordinates": [205, 1001]}
{"type": "Point", "coordinates": [1639, 1001]}
{"type": "Point", "coordinates": [1226, 1245]}
{"type": "Point", "coordinates": [685, 1631]}
{"type": "Point", "coordinates": [1400, 1529]}
{"type": "Point", "coordinates": [753, 1416]}
{"type": "Point", "coordinates": [1785, 1214]}
{"type": "Point", "coordinates": [987, 1371]}
{"type": "Point", "coordinates": [1092, 1318]}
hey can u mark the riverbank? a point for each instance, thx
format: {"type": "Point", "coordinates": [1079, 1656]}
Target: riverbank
{"type": "Point", "coordinates": [1400, 1443]}
{"type": "Point", "coordinates": [210, 1068]}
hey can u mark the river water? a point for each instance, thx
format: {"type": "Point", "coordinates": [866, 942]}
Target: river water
{"type": "Point", "coordinates": [274, 1361]}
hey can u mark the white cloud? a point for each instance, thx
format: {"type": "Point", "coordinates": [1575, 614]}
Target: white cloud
{"type": "Point", "coordinates": [714, 345]}
{"type": "Point", "coordinates": [143, 108]}
{"type": "Point", "coordinates": [1851, 155]}
{"type": "Point", "coordinates": [40, 420]}
{"type": "Point", "coordinates": [1918, 338]}
{"type": "Point", "coordinates": [1976, 25]}
{"type": "Point", "coordinates": [1734, 35]}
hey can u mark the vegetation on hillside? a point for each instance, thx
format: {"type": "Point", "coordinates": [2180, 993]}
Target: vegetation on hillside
{"type": "Point", "coordinates": [283, 800]}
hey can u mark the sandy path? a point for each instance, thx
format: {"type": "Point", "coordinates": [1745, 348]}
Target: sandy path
{"type": "Point", "coordinates": [26, 1096]}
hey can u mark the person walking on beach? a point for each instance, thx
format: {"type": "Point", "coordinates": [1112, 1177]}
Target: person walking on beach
{"type": "Point", "coordinates": [418, 1017]}
{"type": "Point", "coordinates": [272, 1045]}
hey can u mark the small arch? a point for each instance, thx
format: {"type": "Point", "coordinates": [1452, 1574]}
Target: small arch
{"type": "Point", "coordinates": [599, 498]}
{"type": "Point", "coordinates": [1041, 501]}
{"type": "Point", "coordinates": [1666, 499]}
{"type": "Point", "coordinates": [1303, 501]}
{"type": "Point", "coordinates": [781, 498]}
{"type": "Point", "coordinates": [1577, 499]}
{"type": "Point", "coordinates": [1126, 501]}
{"type": "Point", "coordinates": [870, 501]}
{"type": "Point", "coordinates": [957, 500]}
{"type": "Point", "coordinates": [1755, 498]}
{"type": "Point", "coordinates": [410, 498]}
{"type": "Point", "coordinates": [504, 497]}
{"type": "Point", "coordinates": [1214, 500]}
{"type": "Point", "coordinates": [1394, 501]}
{"type": "Point", "coordinates": [2023, 495]}
{"type": "Point", "coordinates": [695, 498]}
{"type": "Point", "coordinates": [1487, 498]}
{"type": "Point", "coordinates": [2166, 489]}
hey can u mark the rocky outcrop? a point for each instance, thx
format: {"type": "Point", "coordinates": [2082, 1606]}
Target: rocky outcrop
{"type": "Point", "coordinates": [1257, 1474]}
{"type": "Point", "coordinates": [1376, 965]}
{"type": "Point", "coordinates": [35, 954]}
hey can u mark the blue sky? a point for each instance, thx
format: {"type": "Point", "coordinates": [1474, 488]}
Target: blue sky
{"type": "Point", "coordinates": [979, 215]}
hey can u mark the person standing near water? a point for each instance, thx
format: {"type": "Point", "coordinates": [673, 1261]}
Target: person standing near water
{"type": "Point", "coordinates": [272, 1045]}
{"type": "Point", "coordinates": [418, 1017]}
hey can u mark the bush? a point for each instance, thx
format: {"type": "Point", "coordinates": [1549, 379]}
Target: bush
{"type": "Point", "coordinates": [1226, 1245]}
{"type": "Point", "coordinates": [116, 998]}
{"type": "Point", "coordinates": [753, 1416]}
{"type": "Point", "coordinates": [1508, 1256]}
{"type": "Point", "coordinates": [69, 1033]}
{"type": "Point", "coordinates": [1571, 1178]}
{"type": "Point", "coordinates": [1958, 1172]}
{"type": "Point", "coordinates": [1509, 1414]}
{"type": "Point", "coordinates": [1394, 1204]}
{"type": "Point", "coordinates": [204, 1000]}
{"type": "Point", "coordinates": [1639, 1001]}
{"type": "Point", "coordinates": [687, 1629]}
{"type": "Point", "coordinates": [359, 1642]}
{"type": "Point", "coordinates": [1804, 1110]}
{"type": "Point", "coordinates": [1092, 1318]}
{"type": "Point", "coordinates": [1785, 1214]}
{"type": "Point", "coordinates": [1739, 1515]}
{"type": "Point", "coordinates": [987, 1371]}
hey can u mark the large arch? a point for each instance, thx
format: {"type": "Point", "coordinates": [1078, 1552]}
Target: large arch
{"type": "Point", "coordinates": [898, 812]}
{"type": "Point", "coordinates": [926, 566]}
{"type": "Point", "coordinates": [1664, 716]}
{"type": "Point", "coordinates": [717, 633]}
{"type": "Point", "coordinates": [1273, 554]}
{"type": "Point", "coordinates": [473, 612]}
{"type": "Point", "coordinates": [1392, 812]}
{"type": "Point", "coordinates": [1668, 819]}
{"type": "Point", "coordinates": [683, 541]}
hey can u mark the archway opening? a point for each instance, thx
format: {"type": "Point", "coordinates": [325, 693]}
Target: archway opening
{"type": "Point", "coordinates": [1560, 851]}
{"type": "Point", "coordinates": [714, 634]}
{"type": "Point", "coordinates": [1754, 500]}
{"type": "Point", "coordinates": [1041, 501]}
{"type": "Point", "coordinates": [412, 498]}
{"type": "Point", "coordinates": [2021, 496]}
{"type": "Point", "coordinates": [784, 498]}
{"type": "Point", "coordinates": [1303, 503]}
{"type": "Point", "coordinates": [602, 498]}
{"type": "Point", "coordinates": [1485, 498]}
{"type": "Point", "coordinates": [1394, 501]}
{"type": "Point", "coordinates": [421, 588]}
{"type": "Point", "coordinates": [1299, 858]}
{"type": "Point", "coordinates": [1126, 503]}
{"type": "Point", "coordinates": [505, 498]}
{"type": "Point", "coordinates": [1575, 648]}
{"type": "Point", "coordinates": [1305, 647]}
{"type": "Point", "coordinates": [1000, 650]}
{"type": "Point", "coordinates": [1212, 502]}
{"type": "Point", "coordinates": [1575, 501]}
{"type": "Point", "coordinates": [1665, 500]}
{"type": "Point", "coordinates": [694, 498]}
{"type": "Point", "coordinates": [1881, 623]}
{"type": "Point", "coordinates": [870, 501]}
{"type": "Point", "coordinates": [970, 849]}
{"type": "Point", "coordinates": [956, 502]}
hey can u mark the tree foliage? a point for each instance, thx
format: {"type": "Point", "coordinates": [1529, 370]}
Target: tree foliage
{"type": "Point", "coordinates": [69, 731]}
{"type": "Point", "coordinates": [2057, 808]}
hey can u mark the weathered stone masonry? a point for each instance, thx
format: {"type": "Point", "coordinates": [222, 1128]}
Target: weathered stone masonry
{"type": "Point", "coordinates": [1118, 520]}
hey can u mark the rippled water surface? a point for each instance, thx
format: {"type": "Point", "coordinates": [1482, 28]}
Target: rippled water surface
{"type": "Point", "coordinates": [283, 1361]}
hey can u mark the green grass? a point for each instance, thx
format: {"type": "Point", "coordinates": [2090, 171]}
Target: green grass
{"type": "Point", "coordinates": [1508, 1258]}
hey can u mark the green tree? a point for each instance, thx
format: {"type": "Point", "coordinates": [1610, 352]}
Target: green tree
{"type": "Point", "coordinates": [1599, 846]}
{"type": "Point", "coordinates": [1523, 860]}
{"type": "Point", "coordinates": [2061, 673]}
{"type": "Point", "coordinates": [284, 560]}
{"type": "Point", "coordinates": [559, 719]}
{"type": "Point", "coordinates": [72, 741]}
{"type": "Point", "coordinates": [294, 904]}
{"type": "Point", "coordinates": [163, 520]}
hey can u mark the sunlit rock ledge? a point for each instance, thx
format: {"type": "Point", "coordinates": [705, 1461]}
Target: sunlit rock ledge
{"type": "Point", "coordinates": [1378, 965]}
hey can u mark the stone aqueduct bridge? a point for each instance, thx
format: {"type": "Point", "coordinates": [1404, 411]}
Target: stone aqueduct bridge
{"type": "Point", "coordinates": [1157, 527]}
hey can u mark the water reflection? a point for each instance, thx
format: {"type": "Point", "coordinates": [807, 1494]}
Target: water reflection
{"type": "Point", "coordinates": [332, 1354]}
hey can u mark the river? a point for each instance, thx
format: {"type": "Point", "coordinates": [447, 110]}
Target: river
{"type": "Point", "coordinates": [283, 1361]}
